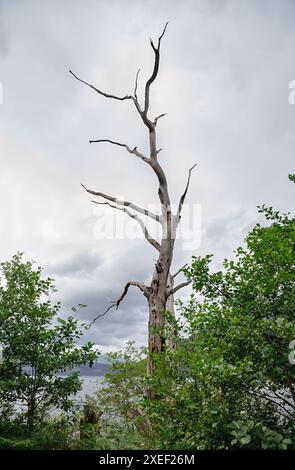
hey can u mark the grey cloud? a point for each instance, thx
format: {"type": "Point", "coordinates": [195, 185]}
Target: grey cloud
{"type": "Point", "coordinates": [99, 284]}
{"type": "Point", "coordinates": [4, 38]}
{"type": "Point", "coordinates": [81, 263]}
{"type": "Point", "coordinates": [129, 321]}
{"type": "Point", "coordinates": [233, 226]}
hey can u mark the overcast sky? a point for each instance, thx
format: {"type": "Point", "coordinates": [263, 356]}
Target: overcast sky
{"type": "Point", "coordinates": [224, 76]}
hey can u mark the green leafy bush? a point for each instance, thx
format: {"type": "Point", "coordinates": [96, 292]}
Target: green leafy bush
{"type": "Point", "coordinates": [229, 382]}
{"type": "Point", "coordinates": [37, 347]}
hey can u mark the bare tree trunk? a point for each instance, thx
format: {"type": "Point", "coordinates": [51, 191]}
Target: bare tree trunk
{"type": "Point", "coordinates": [170, 301]}
{"type": "Point", "coordinates": [171, 340]}
{"type": "Point", "coordinates": [160, 292]}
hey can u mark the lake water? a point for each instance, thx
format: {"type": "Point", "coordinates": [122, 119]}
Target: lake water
{"type": "Point", "coordinates": [89, 387]}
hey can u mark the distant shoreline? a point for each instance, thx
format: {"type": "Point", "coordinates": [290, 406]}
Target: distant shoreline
{"type": "Point", "coordinates": [97, 370]}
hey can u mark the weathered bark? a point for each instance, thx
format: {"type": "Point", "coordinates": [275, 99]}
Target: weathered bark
{"type": "Point", "coordinates": [170, 308]}
{"type": "Point", "coordinates": [160, 292]}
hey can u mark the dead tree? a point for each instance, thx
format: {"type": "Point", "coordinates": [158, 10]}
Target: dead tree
{"type": "Point", "coordinates": [159, 293]}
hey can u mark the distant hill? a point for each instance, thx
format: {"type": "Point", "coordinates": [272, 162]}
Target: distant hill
{"type": "Point", "coordinates": [98, 369]}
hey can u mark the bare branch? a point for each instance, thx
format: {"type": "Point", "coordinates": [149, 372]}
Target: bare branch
{"type": "Point", "coordinates": [280, 397]}
{"type": "Point", "coordinates": [155, 71]}
{"type": "Point", "coordinates": [104, 313]}
{"type": "Point", "coordinates": [159, 117]}
{"type": "Point", "coordinates": [117, 302]}
{"type": "Point", "coordinates": [179, 271]}
{"type": "Point", "coordinates": [185, 191]}
{"type": "Point", "coordinates": [133, 151]}
{"type": "Point", "coordinates": [272, 400]}
{"type": "Point", "coordinates": [180, 286]}
{"type": "Point", "coordinates": [163, 190]}
{"type": "Point", "coordinates": [107, 95]}
{"type": "Point", "coordinates": [138, 284]}
{"type": "Point", "coordinates": [164, 30]}
{"type": "Point", "coordinates": [136, 208]}
{"type": "Point", "coordinates": [143, 113]}
{"type": "Point", "coordinates": [135, 87]}
{"type": "Point", "coordinates": [145, 231]}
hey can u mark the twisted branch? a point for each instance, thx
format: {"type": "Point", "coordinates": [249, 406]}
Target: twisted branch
{"type": "Point", "coordinates": [107, 95]}
{"type": "Point", "coordinates": [133, 151]}
{"type": "Point", "coordinates": [145, 231]}
{"type": "Point", "coordinates": [136, 208]}
{"type": "Point", "coordinates": [117, 302]}
{"type": "Point", "coordinates": [185, 191]}
{"type": "Point", "coordinates": [155, 71]}
{"type": "Point", "coordinates": [176, 288]}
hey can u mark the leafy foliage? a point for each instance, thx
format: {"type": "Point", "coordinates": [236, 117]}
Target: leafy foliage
{"type": "Point", "coordinates": [37, 346]}
{"type": "Point", "coordinates": [229, 382]}
{"type": "Point", "coordinates": [122, 423]}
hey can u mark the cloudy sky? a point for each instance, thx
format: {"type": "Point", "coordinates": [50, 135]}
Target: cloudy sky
{"type": "Point", "coordinates": [225, 70]}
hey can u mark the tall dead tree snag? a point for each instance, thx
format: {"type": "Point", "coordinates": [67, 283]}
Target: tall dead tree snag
{"type": "Point", "coordinates": [159, 293]}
